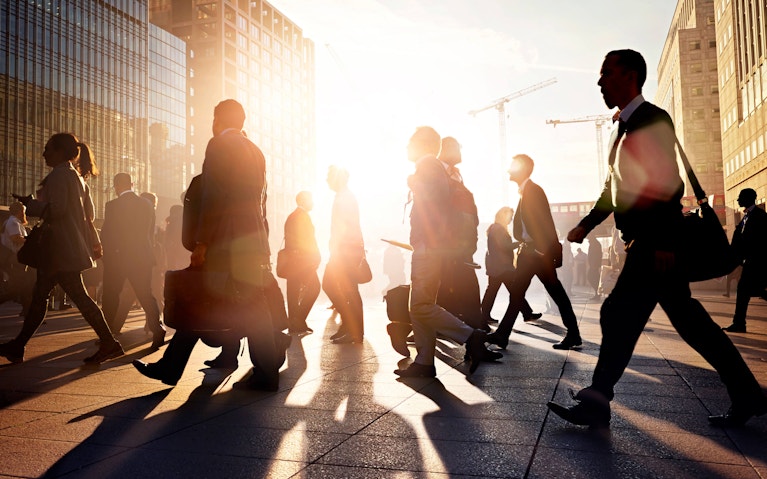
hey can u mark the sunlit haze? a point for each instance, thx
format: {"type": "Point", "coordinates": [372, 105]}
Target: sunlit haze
{"type": "Point", "coordinates": [385, 67]}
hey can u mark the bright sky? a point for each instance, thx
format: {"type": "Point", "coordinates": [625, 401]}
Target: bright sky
{"type": "Point", "coordinates": [405, 63]}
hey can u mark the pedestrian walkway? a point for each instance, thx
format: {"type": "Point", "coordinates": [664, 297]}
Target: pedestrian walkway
{"type": "Point", "coordinates": [341, 412]}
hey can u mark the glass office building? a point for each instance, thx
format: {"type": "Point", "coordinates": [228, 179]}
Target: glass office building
{"type": "Point", "coordinates": [168, 154]}
{"type": "Point", "coordinates": [79, 67]}
{"type": "Point", "coordinates": [248, 50]}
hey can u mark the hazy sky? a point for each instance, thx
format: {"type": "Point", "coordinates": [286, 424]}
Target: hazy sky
{"type": "Point", "coordinates": [404, 63]}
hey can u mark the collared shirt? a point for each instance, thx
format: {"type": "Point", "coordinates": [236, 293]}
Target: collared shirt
{"type": "Point", "coordinates": [522, 185]}
{"type": "Point", "coordinates": [228, 130]}
{"type": "Point", "coordinates": [746, 213]}
{"type": "Point", "coordinates": [631, 107]}
{"type": "Point", "coordinates": [525, 235]}
{"type": "Point", "coordinates": [126, 191]}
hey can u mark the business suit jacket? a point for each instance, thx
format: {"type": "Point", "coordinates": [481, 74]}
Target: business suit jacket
{"type": "Point", "coordinates": [431, 200]}
{"type": "Point", "coordinates": [299, 236]}
{"type": "Point", "coordinates": [65, 202]}
{"type": "Point", "coordinates": [534, 212]}
{"type": "Point", "coordinates": [749, 241]}
{"type": "Point", "coordinates": [643, 188]}
{"type": "Point", "coordinates": [127, 233]}
{"type": "Point", "coordinates": [500, 250]}
{"type": "Point", "coordinates": [232, 221]}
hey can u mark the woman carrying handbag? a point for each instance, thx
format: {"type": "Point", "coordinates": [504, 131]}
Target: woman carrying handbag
{"type": "Point", "coordinates": [64, 202]}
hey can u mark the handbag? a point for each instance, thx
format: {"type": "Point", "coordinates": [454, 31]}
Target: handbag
{"type": "Point", "coordinates": [199, 301]}
{"type": "Point", "coordinates": [706, 252]}
{"type": "Point", "coordinates": [36, 252]}
{"type": "Point", "coordinates": [363, 274]}
{"type": "Point", "coordinates": [285, 263]}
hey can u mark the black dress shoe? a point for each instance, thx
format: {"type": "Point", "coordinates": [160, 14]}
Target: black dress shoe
{"type": "Point", "coordinates": [493, 338]}
{"type": "Point", "coordinates": [219, 362]}
{"type": "Point", "coordinates": [12, 352]}
{"type": "Point", "coordinates": [735, 328]}
{"type": "Point", "coordinates": [416, 370]}
{"type": "Point", "coordinates": [592, 410]}
{"type": "Point", "coordinates": [158, 339]}
{"type": "Point", "coordinates": [300, 331]}
{"type": "Point", "coordinates": [341, 332]}
{"type": "Point", "coordinates": [737, 417]}
{"type": "Point", "coordinates": [105, 353]}
{"type": "Point", "coordinates": [533, 317]}
{"type": "Point", "coordinates": [282, 342]}
{"type": "Point", "coordinates": [475, 347]}
{"type": "Point", "coordinates": [347, 339]}
{"type": "Point", "coordinates": [568, 342]}
{"type": "Point", "coordinates": [154, 371]}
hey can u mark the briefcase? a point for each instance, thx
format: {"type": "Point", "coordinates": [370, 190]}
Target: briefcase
{"type": "Point", "coordinates": [200, 301]}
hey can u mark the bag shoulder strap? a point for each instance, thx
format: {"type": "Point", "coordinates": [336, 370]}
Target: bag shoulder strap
{"type": "Point", "coordinates": [696, 188]}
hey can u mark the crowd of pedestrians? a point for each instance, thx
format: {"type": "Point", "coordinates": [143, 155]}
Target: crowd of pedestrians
{"type": "Point", "coordinates": [221, 234]}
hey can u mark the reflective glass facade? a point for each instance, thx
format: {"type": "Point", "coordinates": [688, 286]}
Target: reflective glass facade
{"type": "Point", "coordinates": [168, 154]}
{"type": "Point", "coordinates": [250, 51]}
{"type": "Point", "coordinates": [79, 67]}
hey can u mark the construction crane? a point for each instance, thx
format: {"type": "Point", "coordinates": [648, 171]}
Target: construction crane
{"type": "Point", "coordinates": [500, 106]}
{"type": "Point", "coordinates": [599, 121]}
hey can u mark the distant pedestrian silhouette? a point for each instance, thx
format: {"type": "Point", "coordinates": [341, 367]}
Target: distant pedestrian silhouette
{"type": "Point", "coordinates": [499, 265]}
{"type": "Point", "coordinates": [303, 286]}
{"type": "Point", "coordinates": [749, 240]}
{"type": "Point", "coordinates": [347, 250]}
{"type": "Point", "coordinates": [540, 255]}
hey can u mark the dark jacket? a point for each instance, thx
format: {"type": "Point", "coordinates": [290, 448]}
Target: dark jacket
{"type": "Point", "coordinates": [750, 241]}
{"type": "Point", "coordinates": [128, 232]}
{"type": "Point", "coordinates": [431, 197]}
{"type": "Point", "coordinates": [534, 212]}
{"type": "Point", "coordinates": [645, 198]}
{"type": "Point", "coordinates": [500, 250]}
{"type": "Point", "coordinates": [232, 220]}
{"type": "Point", "coordinates": [300, 237]}
{"type": "Point", "coordinates": [66, 201]}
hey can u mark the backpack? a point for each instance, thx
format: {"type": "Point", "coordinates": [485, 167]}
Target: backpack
{"type": "Point", "coordinates": [191, 215]}
{"type": "Point", "coordinates": [462, 220]}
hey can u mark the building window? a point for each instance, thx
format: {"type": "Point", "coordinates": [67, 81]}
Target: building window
{"type": "Point", "coordinates": [696, 91]}
{"type": "Point", "coordinates": [695, 45]}
{"type": "Point", "coordinates": [712, 44]}
{"type": "Point", "coordinates": [714, 89]}
{"type": "Point", "coordinates": [696, 68]}
{"type": "Point", "coordinates": [697, 114]}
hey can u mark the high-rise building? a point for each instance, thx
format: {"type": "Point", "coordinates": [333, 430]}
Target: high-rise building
{"type": "Point", "coordinates": [688, 88]}
{"type": "Point", "coordinates": [80, 67]}
{"type": "Point", "coordinates": [166, 112]}
{"type": "Point", "coordinates": [741, 31]}
{"type": "Point", "coordinates": [249, 51]}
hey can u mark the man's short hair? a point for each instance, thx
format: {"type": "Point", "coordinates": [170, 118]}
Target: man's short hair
{"type": "Point", "coordinates": [122, 179]}
{"type": "Point", "coordinates": [16, 208]}
{"type": "Point", "coordinates": [747, 194]}
{"type": "Point", "coordinates": [632, 61]}
{"type": "Point", "coordinates": [338, 175]}
{"type": "Point", "coordinates": [303, 197]}
{"type": "Point", "coordinates": [426, 139]}
{"type": "Point", "coordinates": [525, 162]}
{"type": "Point", "coordinates": [230, 113]}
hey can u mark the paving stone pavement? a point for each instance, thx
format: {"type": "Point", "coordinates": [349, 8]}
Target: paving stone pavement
{"type": "Point", "coordinates": [341, 412]}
